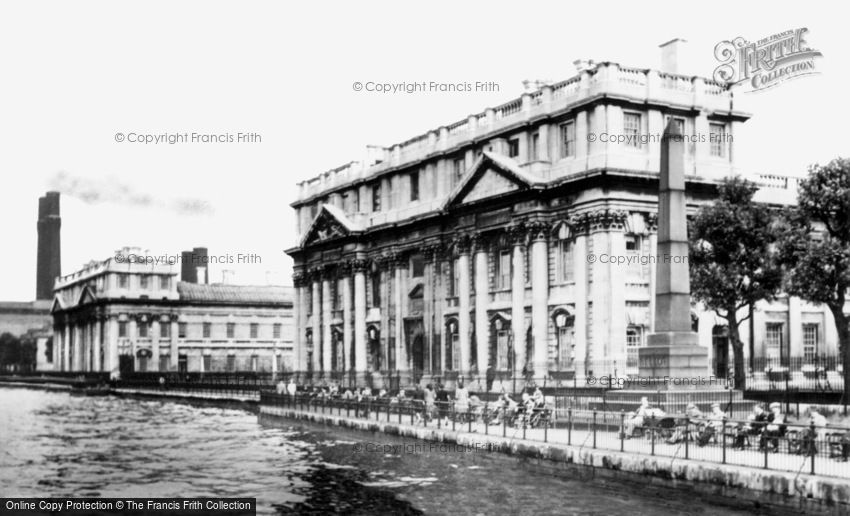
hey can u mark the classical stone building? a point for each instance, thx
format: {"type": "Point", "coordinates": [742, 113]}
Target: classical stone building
{"type": "Point", "coordinates": [517, 240]}
{"type": "Point", "coordinates": [122, 317]}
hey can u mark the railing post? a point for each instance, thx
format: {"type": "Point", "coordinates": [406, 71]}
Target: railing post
{"type": "Point", "coordinates": [570, 425]}
{"type": "Point", "coordinates": [723, 438]}
{"type": "Point", "coordinates": [399, 412]}
{"type": "Point", "coordinates": [411, 410]}
{"type": "Point", "coordinates": [486, 422]}
{"type": "Point", "coordinates": [652, 433]}
{"type": "Point", "coordinates": [622, 429]}
{"type": "Point", "coordinates": [761, 437]}
{"type": "Point", "coordinates": [594, 429]}
{"type": "Point", "coordinates": [813, 445]}
{"type": "Point", "coordinates": [469, 419]}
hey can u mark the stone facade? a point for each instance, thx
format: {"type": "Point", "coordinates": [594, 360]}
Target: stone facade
{"type": "Point", "coordinates": [122, 317]}
{"type": "Point", "coordinates": [517, 241]}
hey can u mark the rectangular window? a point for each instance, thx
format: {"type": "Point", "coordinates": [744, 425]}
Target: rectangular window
{"type": "Point", "coordinates": [502, 337]}
{"type": "Point", "coordinates": [566, 264]}
{"type": "Point", "coordinates": [810, 342]}
{"type": "Point", "coordinates": [123, 280]}
{"type": "Point", "coordinates": [165, 330]}
{"type": "Point", "coordinates": [231, 330]}
{"type": "Point", "coordinates": [773, 342]}
{"type": "Point", "coordinates": [143, 364]}
{"type": "Point", "coordinates": [255, 330]}
{"type": "Point", "coordinates": [231, 363]}
{"type": "Point", "coordinates": [414, 186]}
{"type": "Point", "coordinates": [207, 362]}
{"type": "Point", "coordinates": [566, 341]}
{"type": "Point", "coordinates": [535, 146]}
{"type": "Point", "coordinates": [458, 167]}
{"type": "Point", "coordinates": [631, 129]}
{"type": "Point", "coordinates": [376, 198]}
{"type": "Point", "coordinates": [143, 329]}
{"type": "Point", "coordinates": [417, 265]}
{"type": "Point", "coordinates": [164, 283]}
{"type": "Point", "coordinates": [568, 139]}
{"type": "Point", "coordinates": [181, 330]}
{"type": "Point", "coordinates": [634, 266]}
{"type": "Point", "coordinates": [717, 138]}
{"type": "Point", "coordinates": [143, 282]}
{"type": "Point", "coordinates": [207, 330]}
{"type": "Point", "coordinates": [513, 147]}
{"type": "Point", "coordinates": [122, 329]}
{"type": "Point", "coordinates": [455, 279]}
{"type": "Point", "coordinates": [163, 362]}
{"type": "Point", "coordinates": [503, 270]}
{"type": "Point", "coordinates": [276, 331]}
{"type": "Point", "coordinates": [376, 289]}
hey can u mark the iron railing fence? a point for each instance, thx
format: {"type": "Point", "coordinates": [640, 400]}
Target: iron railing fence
{"type": "Point", "coordinates": [798, 448]}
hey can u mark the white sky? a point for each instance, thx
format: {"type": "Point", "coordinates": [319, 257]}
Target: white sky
{"type": "Point", "coordinates": [72, 74]}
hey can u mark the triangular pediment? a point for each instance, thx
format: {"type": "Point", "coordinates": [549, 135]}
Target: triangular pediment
{"type": "Point", "coordinates": [57, 305]}
{"type": "Point", "coordinates": [86, 296]}
{"type": "Point", "coordinates": [492, 175]}
{"type": "Point", "coordinates": [330, 223]}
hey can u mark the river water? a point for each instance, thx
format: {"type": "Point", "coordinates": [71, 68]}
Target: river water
{"type": "Point", "coordinates": [58, 444]}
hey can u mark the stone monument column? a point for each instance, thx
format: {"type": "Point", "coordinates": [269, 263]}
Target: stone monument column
{"type": "Point", "coordinates": [672, 349]}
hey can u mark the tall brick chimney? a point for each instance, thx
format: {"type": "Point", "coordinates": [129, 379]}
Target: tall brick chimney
{"type": "Point", "coordinates": [49, 256]}
{"type": "Point", "coordinates": [191, 261]}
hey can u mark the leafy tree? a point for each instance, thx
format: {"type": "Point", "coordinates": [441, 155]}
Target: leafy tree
{"type": "Point", "coordinates": [734, 259]}
{"type": "Point", "coordinates": [10, 351]}
{"type": "Point", "coordinates": [816, 246]}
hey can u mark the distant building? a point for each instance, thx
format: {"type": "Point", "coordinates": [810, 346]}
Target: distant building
{"type": "Point", "coordinates": [519, 240]}
{"type": "Point", "coordinates": [122, 317]}
{"type": "Point", "coordinates": [33, 317]}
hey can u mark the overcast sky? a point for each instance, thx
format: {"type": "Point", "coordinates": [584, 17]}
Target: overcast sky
{"type": "Point", "coordinates": [76, 73]}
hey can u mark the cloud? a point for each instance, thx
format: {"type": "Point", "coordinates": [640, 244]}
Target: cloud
{"type": "Point", "coordinates": [112, 191]}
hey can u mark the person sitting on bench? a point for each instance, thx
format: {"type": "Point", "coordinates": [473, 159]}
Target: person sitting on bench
{"type": "Point", "coordinates": [774, 429]}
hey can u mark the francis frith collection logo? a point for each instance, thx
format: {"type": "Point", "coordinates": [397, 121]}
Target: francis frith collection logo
{"type": "Point", "coordinates": [767, 62]}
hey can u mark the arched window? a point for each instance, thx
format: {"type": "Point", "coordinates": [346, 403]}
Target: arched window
{"type": "Point", "coordinates": [564, 340]}
{"type": "Point", "coordinates": [452, 345]}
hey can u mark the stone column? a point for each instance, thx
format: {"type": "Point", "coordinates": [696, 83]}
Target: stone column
{"type": "Point", "coordinates": [297, 338]}
{"type": "Point", "coordinates": [326, 323]}
{"type": "Point", "coordinates": [482, 299]}
{"type": "Point", "coordinates": [66, 346]}
{"type": "Point", "coordinates": [347, 320]}
{"type": "Point", "coordinates": [155, 342]}
{"type": "Point", "coordinates": [438, 335]}
{"type": "Point", "coordinates": [463, 304]}
{"type": "Point", "coordinates": [580, 289]}
{"type": "Point", "coordinates": [540, 297]}
{"type": "Point", "coordinates": [359, 267]}
{"type": "Point", "coordinates": [112, 344]}
{"type": "Point", "coordinates": [78, 347]}
{"type": "Point", "coordinates": [518, 299]}
{"type": "Point", "coordinates": [615, 349]}
{"type": "Point", "coordinates": [795, 328]}
{"type": "Point", "coordinates": [174, 352]}
{"type": "Point", "coordinates": [401, 355]}
{"type": "Point", "coordinates": [98, 343]}
{"type": "Point", "coordinates": [317, 323]}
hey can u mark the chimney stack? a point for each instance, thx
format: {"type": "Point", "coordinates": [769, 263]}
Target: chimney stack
{"type": "Point", "coordinates": [227, 276]}
{"type": "Point", "coordinates": [191, 262]}
{"type": "Point", "coordinates": [49, 256]}
{"type": "Point", "coordinates": [671, 52]}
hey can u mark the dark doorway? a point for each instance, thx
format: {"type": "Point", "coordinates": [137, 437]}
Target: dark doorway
{"type": "Point", "coordinates": [182, 364]}
{"type": "Point", "coordinates": [125, 365]}
{"type": "Point", "coordinates": [720, 344]}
